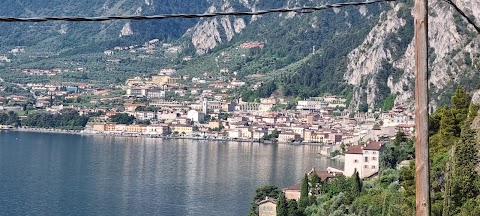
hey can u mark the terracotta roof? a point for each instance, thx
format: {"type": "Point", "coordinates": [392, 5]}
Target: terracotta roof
{"type": "Point", "coordinates": [354, 149]}
{"type": "Point", "coordinates": [295, 187]}
{"type": "Point", "coordinates": [324, 175]}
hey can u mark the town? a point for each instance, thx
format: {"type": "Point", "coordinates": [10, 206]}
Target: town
{"type": "Point", "coordinates": [156, 109]}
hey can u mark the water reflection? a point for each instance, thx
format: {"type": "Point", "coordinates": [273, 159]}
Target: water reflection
{"type": "Point", "coordinates": [91, 175]}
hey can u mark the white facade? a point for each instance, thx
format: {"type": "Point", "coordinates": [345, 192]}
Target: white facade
{"type": "Point", "coordinates": [157, 129]}
{"type": "Point", "coordinates": [195, 116]}
{"type": "Point", "coordinates": [371, 162]}
{"type": "Point", "coordinates": [365, 159]}
{"type": "Point", "coordinates": [143, 116]}
{"type": "Point", "coordinates": [353, 162]}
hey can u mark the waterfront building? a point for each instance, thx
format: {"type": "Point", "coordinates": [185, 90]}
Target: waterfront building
{"type": "Point", "coordinates": [286, 137]}
{"type": "Point", "coordinates": [196, 116]}
{"type": "Point", "coordinates": [182, 129]}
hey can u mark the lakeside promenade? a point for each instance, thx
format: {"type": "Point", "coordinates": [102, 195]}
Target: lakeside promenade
{"type": "Point", "coordinates": [124, 134]}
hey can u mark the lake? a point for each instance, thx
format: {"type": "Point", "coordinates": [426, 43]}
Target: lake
{"type": "Point", "coordinates": [58, 174]}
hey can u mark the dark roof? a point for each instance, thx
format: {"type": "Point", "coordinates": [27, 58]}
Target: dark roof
{"type": "Point", "coordinates": [374, 146]}
{"type": "Point", "coordinates": [324, 175]}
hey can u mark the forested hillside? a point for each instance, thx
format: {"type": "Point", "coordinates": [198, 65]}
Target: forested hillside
{"type": "Point", "coordinates": [363, 52]}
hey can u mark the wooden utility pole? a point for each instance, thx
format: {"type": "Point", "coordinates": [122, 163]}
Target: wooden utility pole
{"type": "Point", "coordinates": [422, 160]}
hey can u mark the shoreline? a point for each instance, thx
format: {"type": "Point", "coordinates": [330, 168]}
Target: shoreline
{"type": "Point", "coordinates": [156, 136]}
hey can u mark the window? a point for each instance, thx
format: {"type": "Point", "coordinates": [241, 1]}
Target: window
{"type": "Point", "coordinates": [374, 152]}
{"type": "Point", "coordinates": [366, 159]}
{"type": "Point", "coordinates": [374, 158]}
{"type": "Point", "coordinates": [355, 161]}
{"type": "Point", "coordinates": [366, 152]}
{"type": "Point", "coordinates": [366, 166]}
{"type": "Point", "coordinates": [373, 167]}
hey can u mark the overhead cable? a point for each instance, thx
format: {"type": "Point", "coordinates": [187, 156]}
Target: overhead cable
{"type": "Point", "coordinates": [463, 14]}
{"type": "Point", "coordinates": [191, 16]}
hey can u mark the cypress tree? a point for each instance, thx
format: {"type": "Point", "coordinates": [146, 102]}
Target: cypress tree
{"type": "Point", "coordinates": [293, 208]}
{"type": "Point", "coordinates": [304, 201]}
{"type": "Point", "coordinates": [460, 105]}
{"type": "Point", "coordinates": [464, 174]}
{"type": "Point", "coordinates": [315, 184]}
{"type": "Point", "coordinates": [355, 188]}
{"type": "Point", "coordinates": [282, 208]}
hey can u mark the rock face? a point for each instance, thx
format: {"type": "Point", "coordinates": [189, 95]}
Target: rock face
{"type": "Point", "coordinates": [126, 30]}
{"type": "Point", "coordinates": [207, 34]}
{"type": "Point", "coordinates": [451, 51]}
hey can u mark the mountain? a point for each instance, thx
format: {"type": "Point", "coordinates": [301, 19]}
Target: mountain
{"type": "Point", "coordinates": [365, 53]}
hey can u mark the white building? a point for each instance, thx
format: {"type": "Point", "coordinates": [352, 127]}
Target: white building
{"type": "Point", "coordinates": [145, 115]}
{"type": "Point", "coordinates": [312, 105]}
{"type": "Point", "coordinates": [363, 158]}
{"type": "Point", "coordinates": [157, 130]}
{"type": "Point", "coordinates": [196, 116]}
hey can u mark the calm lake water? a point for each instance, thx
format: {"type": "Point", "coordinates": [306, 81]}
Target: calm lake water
{"type": "Point", "coordinates": [53, 174]}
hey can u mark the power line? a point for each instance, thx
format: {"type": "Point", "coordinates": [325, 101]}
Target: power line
{"type": "Point", "coordinates": [463, 14]}
{"type": "Point", "coordinates": [190, 16]}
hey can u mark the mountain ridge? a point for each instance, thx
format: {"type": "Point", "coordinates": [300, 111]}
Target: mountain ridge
{"type": "Point", "coordinates": [367, 51]}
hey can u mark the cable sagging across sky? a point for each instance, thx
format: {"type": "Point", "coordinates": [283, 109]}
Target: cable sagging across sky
{"type": "Point", "coordinates": [191, 16]}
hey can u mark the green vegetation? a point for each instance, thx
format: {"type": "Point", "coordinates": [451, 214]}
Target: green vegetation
{"type": "Point", "coordinates": [273, 136]}
{"type": "Point", "coordinates": [122, 118]}
{"type": "Point", "coordinates": [388, 103]}
{"type": "Point", "coordinates": [10, 118]}
{"type": "Point", "coordinates": [260, 194]}
{"type": "Point", "coordinates": [454, 177]}
{"type": "Point", "coordinates": [66, 119]}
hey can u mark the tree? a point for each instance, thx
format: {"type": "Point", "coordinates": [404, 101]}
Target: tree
{"type": "Point", "coordinates": [460, 105]}
{"type": "Point", "coordinates": [304, 192]}
{"type": "Point", "coordinates": [355, 188]}
{"type": "Point", "coordinates": [389, 103]}
{"type": "Point", "coordinates": [399, 138]}
{"type": "Point", "coordinates": [465, 176]}
{"type": "Point", "coordinates": [260, 194]}
{"type": "Point", "coordinates": [315, 184]}
{"type": "Point", "coordinates": [282, 207]}
{"type": "Point", "coordinates": [293, 209]}
{"type": "Point", "coordinates": [122, 118]}
{"type": "Point", "coordinates": [363, 108]}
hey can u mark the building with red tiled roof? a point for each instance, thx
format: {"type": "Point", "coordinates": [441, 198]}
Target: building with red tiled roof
{"type": "Point", "coordinates": [365, 159]}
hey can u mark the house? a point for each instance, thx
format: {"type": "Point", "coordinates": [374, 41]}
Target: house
{"type": "Point", "coordinates": [288, 137]}
{"type": "Point", "coordinates": [42, 103]}
{"type": "Point", "coordinates": [258, 134]}
{"type": "Point", "coordinates": [214, 124]}
{"type": "Point", "coordinates": [145, 115]}
{"type": "Point", "coordinates": [196, 116]}
{"type": "Point", "coordinates": [292, 192]}
{"type": "Point", "coordinates": [182, 129]}
{"type": "Point", "coordinates": [234, 134]}
{"type": "Point", "coordinates": [267, 207]}
{"type": "Point", "coordinates": [132, 107]}
{"type": "Point", "coordinates": [158, 129]}
{"type": "Point", "coordinates": [365, 159]}
{"type": "Point", "coordinates": [134, 128]}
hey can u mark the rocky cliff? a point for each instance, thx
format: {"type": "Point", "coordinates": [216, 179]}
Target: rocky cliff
{"type": "Point", "coordinates": [454, 52]}
{"type": "Point", "coordinates": [369, 48]}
